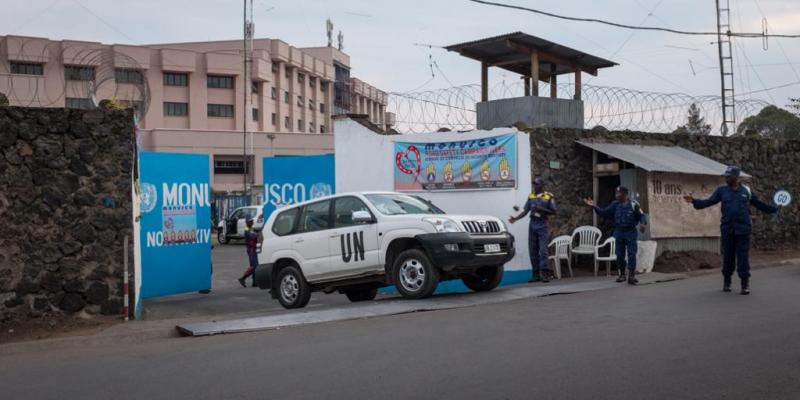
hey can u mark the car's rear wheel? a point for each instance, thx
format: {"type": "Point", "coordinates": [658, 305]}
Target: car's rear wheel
{"type": "Point", "coordinates": [414, 275]}
{"type": "Point", "coordinates": [293, 290]}
{"type": "Point", "coordinates": [222, 237]}
{"type": "Point", "coordinates": [484, 279]}
{"type": "Point", "coordinates": [361, 294]}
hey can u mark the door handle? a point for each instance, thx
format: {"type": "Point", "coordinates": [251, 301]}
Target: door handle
{"type": "Point", "coordinates": [299, 240]}
{"type": "Point", "coordinates": [334, 235]}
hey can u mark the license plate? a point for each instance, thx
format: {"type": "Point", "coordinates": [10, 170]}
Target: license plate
{"type": "Point", "coordinates": [491, 248]}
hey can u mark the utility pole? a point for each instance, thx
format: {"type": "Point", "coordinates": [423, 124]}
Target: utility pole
{"type": "Point", "coordinates": [247, 52]}
{"type": "Point", "coordinates": [726, 68]}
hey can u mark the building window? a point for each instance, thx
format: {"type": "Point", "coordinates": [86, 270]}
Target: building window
{"type": "Point", "coordinates": [228, 167]}
{"type": "Point", "coordinates": [274, 93]}
{"type": "Point", "coordinates": [274, 119]}
{"type": "Point", "coordinates": [77, 103]}
{"type": "Point", "coordinates": [220, 110]}
{"type": "Point", "coordinates": [220, 82]}
{"type": "Point", "coordinates": [286, 123]}
{"type": "Point", "coordinates": [175, 79]}
{"type": "Point", "coordinates": [311, 127]}
{"type": "Point", "coordinates": [301, 78]}
{"type": "Point", "coordinates": [176, 109]}
{"type": "Point", "coordinates": [300, 125]}
{"type": "Point", "coordinates": [312, 82]}
{"type": "Point", "coordinates": [254, 87]}
{"type": "Point", "coordinates": [126, 75]}
{"type": "Point", "coordinates": [322, 107]}
{"type": "Point", "coordinates": [275, 68]}
{"type": "Point", "coordinates": [73, 73]}
{"type": "Point", "coordinates": [255, 114]}
{"type": "Point", "coordinates": [322, 129]}
{"type": "Point", "coordinates": [27, 68]}
{"type": "Point", "coordinates": [323, 87]}
{"type": "Point", "coordinates": [288, 73]}
{"type": "Point", "coordinates": [299, 101]}
{"type": "Point", "coordinates": [286, 97]}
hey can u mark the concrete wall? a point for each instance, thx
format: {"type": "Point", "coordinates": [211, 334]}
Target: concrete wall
{"type": "Point", "coordinates": [532, 111]}
{"type": "Point", "coordinates": [772, 164]}
{"type": "Point", "coordinates": [65, 203]}
{"type": "Point", "coordinates": [365, 162]}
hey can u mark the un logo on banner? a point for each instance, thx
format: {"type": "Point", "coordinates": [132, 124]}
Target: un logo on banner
{"type": "Point", "coordinates": [320, 189]}
{"type": "Point", "coordinates": [148, 197]}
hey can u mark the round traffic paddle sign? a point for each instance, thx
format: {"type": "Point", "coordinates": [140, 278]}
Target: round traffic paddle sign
{"type": "Point", "coordinates": [782, 198]}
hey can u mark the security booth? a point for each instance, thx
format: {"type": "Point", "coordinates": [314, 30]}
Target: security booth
{"type": "Point", "coordinates": [535, 60]}
{"type": "Point", "coordinates": [658, 177]}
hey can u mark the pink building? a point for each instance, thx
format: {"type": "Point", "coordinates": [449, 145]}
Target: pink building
{"type": "Point", "coordinates": [193, 97]}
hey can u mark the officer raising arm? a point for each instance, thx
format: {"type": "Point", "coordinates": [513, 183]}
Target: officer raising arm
{"type": "Point", "coordinates": [627, 214]}
{"type": "Point", "coordinates": [735, 225]}
{"type": "Point", "coordinates": [541, 205]}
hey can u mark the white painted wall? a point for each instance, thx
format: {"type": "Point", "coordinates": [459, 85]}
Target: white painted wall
{"type": "Point", "coordinates": [365, 162]}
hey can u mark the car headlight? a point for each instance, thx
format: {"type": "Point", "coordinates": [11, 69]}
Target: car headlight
{"type": "Point", "coordinates": [443, 224]}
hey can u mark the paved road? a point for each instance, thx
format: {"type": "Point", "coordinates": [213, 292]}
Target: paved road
{"type": "Point", "coordinates": [227, 297]}
{"type": "Point", "coordinates": [676, 340]}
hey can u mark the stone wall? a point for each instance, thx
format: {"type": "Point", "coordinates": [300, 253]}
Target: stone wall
{"type": "Point", "coordinates": [771, 162]}
{"type": "Point", "coordinates": [65, 207]}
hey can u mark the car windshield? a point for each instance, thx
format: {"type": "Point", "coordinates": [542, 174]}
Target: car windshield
{"type": "Point", "coordinates": [397, 204]}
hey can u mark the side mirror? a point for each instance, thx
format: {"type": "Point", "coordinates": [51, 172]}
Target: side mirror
{"type": "Point", "coordinates": [362, 217]}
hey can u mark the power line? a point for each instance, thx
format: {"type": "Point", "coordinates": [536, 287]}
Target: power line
{"type": "Point", "coordinates": [624, 26]}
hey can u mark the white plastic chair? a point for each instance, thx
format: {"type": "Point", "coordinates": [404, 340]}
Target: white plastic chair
{"type": "Point", "coordinates": [561, 246]}
{"type": "Point", "coordinates": [611, 243]}
{"type": "Point", "coordinates": [588, 240]}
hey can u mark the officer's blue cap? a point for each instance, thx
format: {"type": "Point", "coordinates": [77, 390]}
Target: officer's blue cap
{"type": "Point", "coordinates": [538, 181]}
{"type": "Point", "coordinates": [732, 170]}
{"type": "Point", "coordinates": [622, 189]}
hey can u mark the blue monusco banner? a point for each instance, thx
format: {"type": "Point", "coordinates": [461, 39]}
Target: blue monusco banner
{"type": "Point", "coordinates": [290, 180]}
{"type": "Point", "coordinates": [175, 233]}
{"type": "Point", "coordinates": [482, 163]}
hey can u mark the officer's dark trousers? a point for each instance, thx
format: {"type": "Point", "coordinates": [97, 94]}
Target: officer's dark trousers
{"type": "Point", "coordinates": [538, 238]}
{"type": "Point", "coordinates": [626, 243]}
{"type": "Point", "coordinates": [736, 255]}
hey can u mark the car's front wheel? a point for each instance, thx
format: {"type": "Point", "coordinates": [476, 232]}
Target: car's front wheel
{"type": "Point", "coordinates": [414, 275]}
{"type": "Point", "coordinates": [361, 294]}
{"type": "Point", "coordinates": [293, 290]}
{"type": "Point", "coordinates": [484, 279]}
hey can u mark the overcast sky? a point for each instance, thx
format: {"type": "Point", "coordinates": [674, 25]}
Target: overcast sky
{"type": "Point", "coordinates": [380, 35]}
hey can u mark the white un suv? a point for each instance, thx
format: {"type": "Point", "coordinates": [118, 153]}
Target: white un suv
{"type": "Point", "coordinates": [356, 243]}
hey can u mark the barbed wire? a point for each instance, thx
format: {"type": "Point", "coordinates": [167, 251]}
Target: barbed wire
{"type": "Point", "coordinates": [613, 108]}
{"type": "Point", "coordinates": [51, 89]}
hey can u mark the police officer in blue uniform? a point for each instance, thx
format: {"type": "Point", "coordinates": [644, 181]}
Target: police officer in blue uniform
{"type": "Point", "coordinates": [735, 225]}
{"type": "Point", "coordinates": [541, 205]}
{"type": "Point", "coordinates": [627, 214]}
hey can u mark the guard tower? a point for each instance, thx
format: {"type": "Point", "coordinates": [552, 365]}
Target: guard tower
{"type": "Point", "coordinates": [535, 59]}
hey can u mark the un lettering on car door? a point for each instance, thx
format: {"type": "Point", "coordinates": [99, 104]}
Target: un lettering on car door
{"type": "Point", "coordinates": [352, 245]}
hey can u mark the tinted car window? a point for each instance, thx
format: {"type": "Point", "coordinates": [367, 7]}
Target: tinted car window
{"type": "Point", "coordinates": [344, 209]}
{"type": "Point", "coordinates": [316, 217]}
{"type": "Point", "coordinates": [285, 222]}
{"type": "Point", "coordinates": [238, 214]}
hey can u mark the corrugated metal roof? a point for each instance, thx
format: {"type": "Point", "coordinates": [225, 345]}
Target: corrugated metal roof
{"type": "Point", "coordinates": [496, 51]}
{"type": "Point", "coordinates": [660, 158]}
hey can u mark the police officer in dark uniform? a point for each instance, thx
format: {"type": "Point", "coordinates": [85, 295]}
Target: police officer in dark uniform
{"type": "Point", "coordinates": [627, 214]}
{"type": "Point", "coordinates": [541, 205]}
{"type": "Point", "coordinates": [735, 225]}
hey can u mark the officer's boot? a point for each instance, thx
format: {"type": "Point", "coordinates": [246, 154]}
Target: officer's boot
{"type": "Point", "coordinates": [745, 286]}
{"type": "Point", "coordinates": [622, 276]}
{"type": "Point", "coordinates": [545, 274]}
{"type": "Point", "coordinates": [726, 284]}
{"type": "Point", "coordinates": [632, 278]}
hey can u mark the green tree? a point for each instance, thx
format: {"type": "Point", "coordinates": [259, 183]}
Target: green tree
{"type": "Point", "coordinates": [794, 105]}
{"type": "Point", "coordinates": [695, 124]}
{"type": "Point", "coordinates": [3, 100]}
{"type": "Point", "coordinates": [772, 122]}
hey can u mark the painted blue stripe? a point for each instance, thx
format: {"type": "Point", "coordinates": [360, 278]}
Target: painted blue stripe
{"type": "Point", "coordinates": [456, 286]}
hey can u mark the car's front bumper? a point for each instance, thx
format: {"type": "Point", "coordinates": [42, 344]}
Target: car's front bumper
{"type": "Point", "coordinates": [471, 249]}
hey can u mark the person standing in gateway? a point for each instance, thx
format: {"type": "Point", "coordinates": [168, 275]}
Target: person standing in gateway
{"type": "Point", "coordinates": [735, 225]}
{"type": "Point", "coordinates": [541, 205]}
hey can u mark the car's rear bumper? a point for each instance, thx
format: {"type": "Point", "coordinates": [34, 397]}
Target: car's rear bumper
{"type": "Point", "coordinates": [471, 249]}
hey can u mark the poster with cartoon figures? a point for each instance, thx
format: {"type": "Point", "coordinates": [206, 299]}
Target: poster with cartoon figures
{"type": "Point", "coordinates": [485, 163]}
